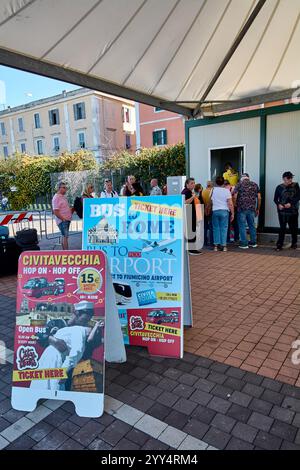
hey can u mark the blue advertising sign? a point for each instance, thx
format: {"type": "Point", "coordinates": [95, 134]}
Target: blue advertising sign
{"type": "Point", "coordinates": [143, 238]}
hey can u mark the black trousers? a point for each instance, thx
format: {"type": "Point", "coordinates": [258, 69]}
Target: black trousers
{"type": "Point", "coordinates": [292, 221]}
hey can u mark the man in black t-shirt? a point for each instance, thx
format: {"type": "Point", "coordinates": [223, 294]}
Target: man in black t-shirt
{"type": "Point", "coordinates": [286, 198]}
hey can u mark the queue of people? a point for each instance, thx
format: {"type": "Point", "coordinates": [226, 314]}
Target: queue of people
{"type": "Point", "coordinates": [63, 212]}
{"type": "Point", "coordinates": [231, 206]}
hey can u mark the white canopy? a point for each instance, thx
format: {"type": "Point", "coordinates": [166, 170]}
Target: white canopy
{"type": "Point", "coordinates": [157, 51]}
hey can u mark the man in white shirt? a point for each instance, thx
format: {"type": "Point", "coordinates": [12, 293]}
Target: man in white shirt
{"type": "Point", "coordinates": [155, 189]}
{"type": "Point", "coordinates": [108, 190]}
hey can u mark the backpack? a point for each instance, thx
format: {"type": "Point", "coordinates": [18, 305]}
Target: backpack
{"type": "Point", "coordinates": [78, 206]}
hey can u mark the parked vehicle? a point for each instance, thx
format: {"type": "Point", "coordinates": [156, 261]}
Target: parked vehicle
{"type": "Point", "coordinates": [160, 316]}
{"type": "Point", "coordinates": [39, 286]}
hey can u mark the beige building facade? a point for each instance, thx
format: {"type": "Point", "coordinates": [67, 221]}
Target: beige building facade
{"type": "Point", "coordinates": [73, 120]}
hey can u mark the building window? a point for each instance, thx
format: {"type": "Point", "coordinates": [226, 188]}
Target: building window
{"type": "Point", "coordinates": [79, 111]}
{"type": "Point", "coordinates": [23, 148]}
{"type": "Point", "coordinates": [5, 151]}
{"type": "Point", "coordinates": [160, 137]}
{"type": "Point", "coordinates": [126, 114]}
{"type": "Point", "coordinates": [127, 141]}
{"type": "Point", "coordinates": [158, 110]}
{"type": "Point", "coordinates": [21, 124]}
{"type": "Point", "coordinates": [53, 117]}
{"type": "Point", "coordinates": [39, 146]}
{"type": "Point", "coordinates": [56, 145]}
{"type": "Point", "coordinates": [81, 140]}
{"type": "Point", "coordinates": [3, 130]}
{"type": "Point", "coordinates": [37, 121]}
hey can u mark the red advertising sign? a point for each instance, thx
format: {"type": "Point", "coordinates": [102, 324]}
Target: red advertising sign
{"type": "Point", "coordinates": [155, 328]}
{"type": "Point", "coordinates": [60, 325]}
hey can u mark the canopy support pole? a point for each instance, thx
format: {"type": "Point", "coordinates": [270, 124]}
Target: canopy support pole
{"type": "Point", "coordinates": [230, 53]}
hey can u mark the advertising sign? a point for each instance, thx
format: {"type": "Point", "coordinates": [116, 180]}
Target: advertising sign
{"type": "Point", "coordinates": [144, 243]}
{"type": "Point", "coordinates": [60, 330]}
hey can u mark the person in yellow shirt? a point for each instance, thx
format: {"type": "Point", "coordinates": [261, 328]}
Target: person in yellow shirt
{"type": "Point", "coordinates": [206, 193]}
{"type": "Point", "coordinates": [231, 175]}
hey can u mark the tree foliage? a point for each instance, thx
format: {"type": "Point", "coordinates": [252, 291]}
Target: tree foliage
{"type": "Point", "coordinates": [31, 175]}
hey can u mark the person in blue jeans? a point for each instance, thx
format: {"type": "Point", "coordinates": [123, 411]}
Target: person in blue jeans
{"type": "Point", "coordinates": [221, 206]}
{"type": "Point", "coordinates": [248, 200]}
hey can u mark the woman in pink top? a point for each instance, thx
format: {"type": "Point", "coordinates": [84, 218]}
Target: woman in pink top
{"type": "Point", "coordinates": [63, 213]}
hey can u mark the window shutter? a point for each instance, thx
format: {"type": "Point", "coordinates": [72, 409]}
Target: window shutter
{"type": "Point", "coordinates": [57, 116]}
{"type": "Point", "coordinates": [83, 110]}
{"type": "Point", "coordinates": [154, 138]}
{"type": "Point", "coordinates": [165, 137]}
{"type": "Point", "coordinates": [75, 112]}
{"type": "Point", "coordinates": [50, 118]}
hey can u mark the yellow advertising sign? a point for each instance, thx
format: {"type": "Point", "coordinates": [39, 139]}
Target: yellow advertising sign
{"type": "Point", "coordinates": [39, 374]}
{"type": "Point", "coordinates": [156, 209]}
{"type": "Point", "coordinates": [168, 296]}
{"type": "Point", "coordinates": [167, 330]}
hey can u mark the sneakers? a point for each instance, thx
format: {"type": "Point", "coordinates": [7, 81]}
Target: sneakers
{"type": "Point", "coordinates": [244, 247]}
{"type": "Point", "coordinates": [221, 248]}
{"type": "Point", "coordinates": [195, 252]}
{"type": "Point", "coordinates": [252, 245]}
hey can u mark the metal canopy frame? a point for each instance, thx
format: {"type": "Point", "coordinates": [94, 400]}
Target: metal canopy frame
{"type": "Point", "coordinates": [203, 106]}
{"type": "Point", "coordinates": [46, 69]}
{"type": "Point", "coordinates": [230, 53]}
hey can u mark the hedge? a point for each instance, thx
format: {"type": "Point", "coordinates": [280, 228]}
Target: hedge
{"type": "Point", "coordinates": [31, 175]}
{"type": "Point", "coordinates": [149, 163]}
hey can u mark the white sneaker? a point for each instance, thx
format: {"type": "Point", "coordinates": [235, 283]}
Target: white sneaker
{"type": "Point", "coordinates": [244, 247]}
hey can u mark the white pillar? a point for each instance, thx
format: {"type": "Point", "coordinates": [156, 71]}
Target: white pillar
{"type": "Point", "coordinates": [137, 125]}
{"type": "Point", "coordinates": [67, 126]}
{"type": "Point", "coordinates": [96, 129]}
{"type": "Point", "coordinates": [12, 137]}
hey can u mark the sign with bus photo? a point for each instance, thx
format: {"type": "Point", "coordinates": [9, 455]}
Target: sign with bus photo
{"type": "Point", "coordinates": [60, 330]}
{"type": "Point", "coordinates": [143, 238]}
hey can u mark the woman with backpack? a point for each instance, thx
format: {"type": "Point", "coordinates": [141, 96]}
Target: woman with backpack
{"type": "Point", "coordinates": [88, 191]}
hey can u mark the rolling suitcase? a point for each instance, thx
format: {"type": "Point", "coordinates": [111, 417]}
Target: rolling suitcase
{"type": "Point", "coordinates": [9, 256]}
{"type": "Point", "coordinates": [27, 237]}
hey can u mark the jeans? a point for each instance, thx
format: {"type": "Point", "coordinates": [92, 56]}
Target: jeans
{"type": "Point", "coordinates": [64, 228]}
{"type": "Point", "coordinates": [235, 227]}
{"type": "Point", "coordinates": [292, 221]}
{"type": "Point", "coordinates": [247, 217]}
{"type": "Point", "coordinates": [208, 232]}
{"type": "Point", "coordinates": [220, 226]}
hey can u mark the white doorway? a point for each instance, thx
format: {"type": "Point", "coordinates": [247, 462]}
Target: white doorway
{"type": "Point", "coordinates": [219, 157]}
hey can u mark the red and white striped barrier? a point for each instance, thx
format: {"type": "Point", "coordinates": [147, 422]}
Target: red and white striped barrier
{"type": "Point", "coordinates": [15, 217]}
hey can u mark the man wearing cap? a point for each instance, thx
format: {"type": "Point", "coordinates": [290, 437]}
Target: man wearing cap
{"type": "Point", "coordinates": [286, 198]}
{"type": "Point", "coordinates": [66, 346]}
{"type": "Point", "coordinates": [247, 199]}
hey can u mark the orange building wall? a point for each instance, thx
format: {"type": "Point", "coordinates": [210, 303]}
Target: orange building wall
{"type": "Point", "coordinates": [174, 127]}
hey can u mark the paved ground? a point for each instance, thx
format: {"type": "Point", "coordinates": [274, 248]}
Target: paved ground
{"type": "Point", "coordinates": [218, 396]}
{"type": "Point", "coordinates": [246, 310]}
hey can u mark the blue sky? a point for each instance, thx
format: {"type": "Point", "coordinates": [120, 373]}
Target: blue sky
{"type": "Point", "coordinates": [17, 87]}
